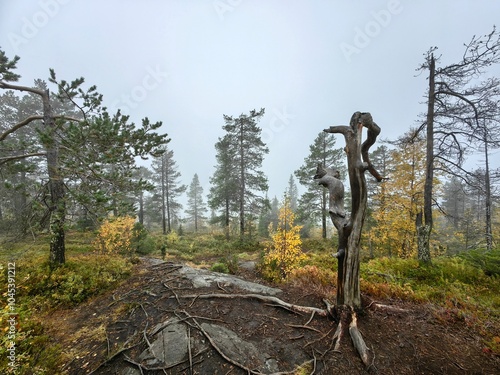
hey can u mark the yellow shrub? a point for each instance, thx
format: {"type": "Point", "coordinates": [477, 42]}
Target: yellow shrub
{"type": "Point", "coordinates": [284, 253]}
{"type": "Point", "coordinates": [115, 236]}
{"type": "Point", "coordinates": [173, 237]}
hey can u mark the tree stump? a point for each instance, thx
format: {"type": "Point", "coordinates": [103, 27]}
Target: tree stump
{"type": "Point", "coordinates": [349, 227]}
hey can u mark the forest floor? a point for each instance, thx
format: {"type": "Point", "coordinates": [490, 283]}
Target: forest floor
{"type": "Point", "coordinates": [124, 331]}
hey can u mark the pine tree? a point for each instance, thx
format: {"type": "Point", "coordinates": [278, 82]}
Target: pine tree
{"type": "Point", "coordinates": [90, 150]}
{"type": "Point", "coordinates": [241, 152]}
{"type": "Point", "coordinates": [224, 185]}
{"type": "Point", "coordinates": [284, 253]}
{"type": "Point", "coordinates": [168, 189]}
{"type": "Point", "coordinates": [399, 200]}
{"type": "Point", "coordinates": [293, 193]}
{"type": "Point", "coordinates": [196, 206]}
{"type": "Point", "coordinates": [264, 218]}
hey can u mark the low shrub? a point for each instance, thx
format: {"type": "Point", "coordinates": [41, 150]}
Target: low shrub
{"type": "Point", "coordinates": [115, 236]}
{"type": "Point", "coordinates": [313, 278]}
{"type": "Point", "coordinates": [36, 353]}
{"type": "Point", "coordinates": [40, 289]}
{"type": "Point", "coordinates": [488, 261]}
{"type": "Point", "coordinates": [75, 281]}
{"type": "Point", "coordinates": [220, 267]}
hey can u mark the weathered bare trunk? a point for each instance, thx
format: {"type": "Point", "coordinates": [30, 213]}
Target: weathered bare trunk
{"type": "Point", "coordinates": [487, 188]}
{"type": "Point", "coordinates": [350, 228]}
{"type": "Point", "coordinates": [323, 215]}
{"type": "Point", "coordinates": [226, 219]}
{"type": "Point", "coordinates": [163, 207]}
{"type": "Point", "coordinates": [141, 207]}
{"type": "Point", "coordinates": [167, 200]}
{"type": "Point", "coordinates": [424, 225]}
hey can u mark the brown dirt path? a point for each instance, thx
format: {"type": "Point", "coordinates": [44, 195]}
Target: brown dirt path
{"type": "Point", "coordinates": [108, 334]}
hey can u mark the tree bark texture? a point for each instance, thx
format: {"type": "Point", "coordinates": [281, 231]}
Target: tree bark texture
{"type": "Point", "coordinates": [488, 200]}
{"type": "Point", "coordinates": [350, 228]}
{"type": "Point", "coordinates": [424, 225]}
{"type": "Point", "coordinates": [56, 186]}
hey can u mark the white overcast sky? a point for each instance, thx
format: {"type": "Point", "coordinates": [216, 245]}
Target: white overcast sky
{"type": "Point", "coordinates": [309, 63]}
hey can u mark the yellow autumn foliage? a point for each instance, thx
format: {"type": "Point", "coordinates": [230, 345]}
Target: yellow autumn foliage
{"type": "Point", "coordinates": [284, 253]}
{"type": "Point", "coordinates": [398, 201]}
{"type": "Point", "coordinates": [115, 236]}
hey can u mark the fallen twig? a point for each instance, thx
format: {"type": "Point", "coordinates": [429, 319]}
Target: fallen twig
{"type": "Point", "coordinates": [124, 349]}
{"type": "Point", "coordinates": [304, 327]}
{"type": "Point", "coordinates": [311, 318]}
{"type": "Point", "coordinates": [175, 294]}
{"type": "Point", "coordinates": [129, 360]}
{"type": "Point", "coordinates": [221, 288]}
{"type": "Point", "coordinates": [319, 339]}
{"type": "Point", "coordinates": [387, 307]}
{"type": "Point", "coordinates": [189, 351]}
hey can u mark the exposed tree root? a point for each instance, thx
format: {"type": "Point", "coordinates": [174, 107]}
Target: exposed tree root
{"type": "Point", "coordinates": [388, 307]}
{"type": "Point", "coordinates": [345, 315]}
{"type": "Point", "coordinates": [348, 321]}
{"type": "Point", "coordinates": [268, 299]}
{"type": "Point", "coordinates": [337, 337]}
{"type": "Point", "coordinates": [357, 340]}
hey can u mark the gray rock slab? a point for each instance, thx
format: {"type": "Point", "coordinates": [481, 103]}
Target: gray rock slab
{"type": "Point", "coordinates": [248, 265]}
{"type": "Point", "coordinates": [204, 278]}
{"type": "Point", "coordinates": [170, 346]}
{"type": "Point", "coordinates": [241, 351]}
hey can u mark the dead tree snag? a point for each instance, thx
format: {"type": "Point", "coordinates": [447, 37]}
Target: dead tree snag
{"type": "Point", "coordinates": [349, 227]}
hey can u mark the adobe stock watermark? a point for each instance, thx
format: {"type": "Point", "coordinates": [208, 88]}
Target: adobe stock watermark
{"type": "Point", "coordinates": [38, 20]}
{"type": "Point", "coordinates": [221, 7]}
{"type": "Point", "coordinates": [277, 124]}
{"type": "Point", "coordinates": [150, 81]}
{"type": "Point", "coordinates": [12, 317]}
{"type": "Point", "coordinates": [363, 36]}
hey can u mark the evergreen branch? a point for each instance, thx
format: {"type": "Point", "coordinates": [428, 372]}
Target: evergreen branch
{"type": "Point", "coordinates": [29, 120]}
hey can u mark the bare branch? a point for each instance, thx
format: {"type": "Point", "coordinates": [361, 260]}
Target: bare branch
{"type": "Point", "coordinates": [371, 138]}
{"type": "Point", "coordinates": [342, 129]}
{"type": "Point", "coordinates": [19, 125]}
{"type": "Point", "coordinates": [6, 159]}
{"type": "Point", "coordinates": [9, 86]}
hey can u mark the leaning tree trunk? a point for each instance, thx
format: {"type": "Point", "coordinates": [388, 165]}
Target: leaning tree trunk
{"type": "Point", "coordinates": [350, 227]}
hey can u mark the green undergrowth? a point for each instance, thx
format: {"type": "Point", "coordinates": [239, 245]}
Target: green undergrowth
{"type": "Point", "coordinates": [460, 290]}
{"type": "Point", "coordinates": [40, 289]}
{"type": "Point", "coordinates": [464, 288]}
{"type": "Point", "coordinates": [203, 249]}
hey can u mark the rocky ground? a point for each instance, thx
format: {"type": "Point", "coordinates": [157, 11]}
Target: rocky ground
{"type": "Point", "coordinates": [173, 319]}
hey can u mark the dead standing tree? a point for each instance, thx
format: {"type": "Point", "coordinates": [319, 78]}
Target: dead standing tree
{"type": "Point", "coordinates": [349, 226]}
